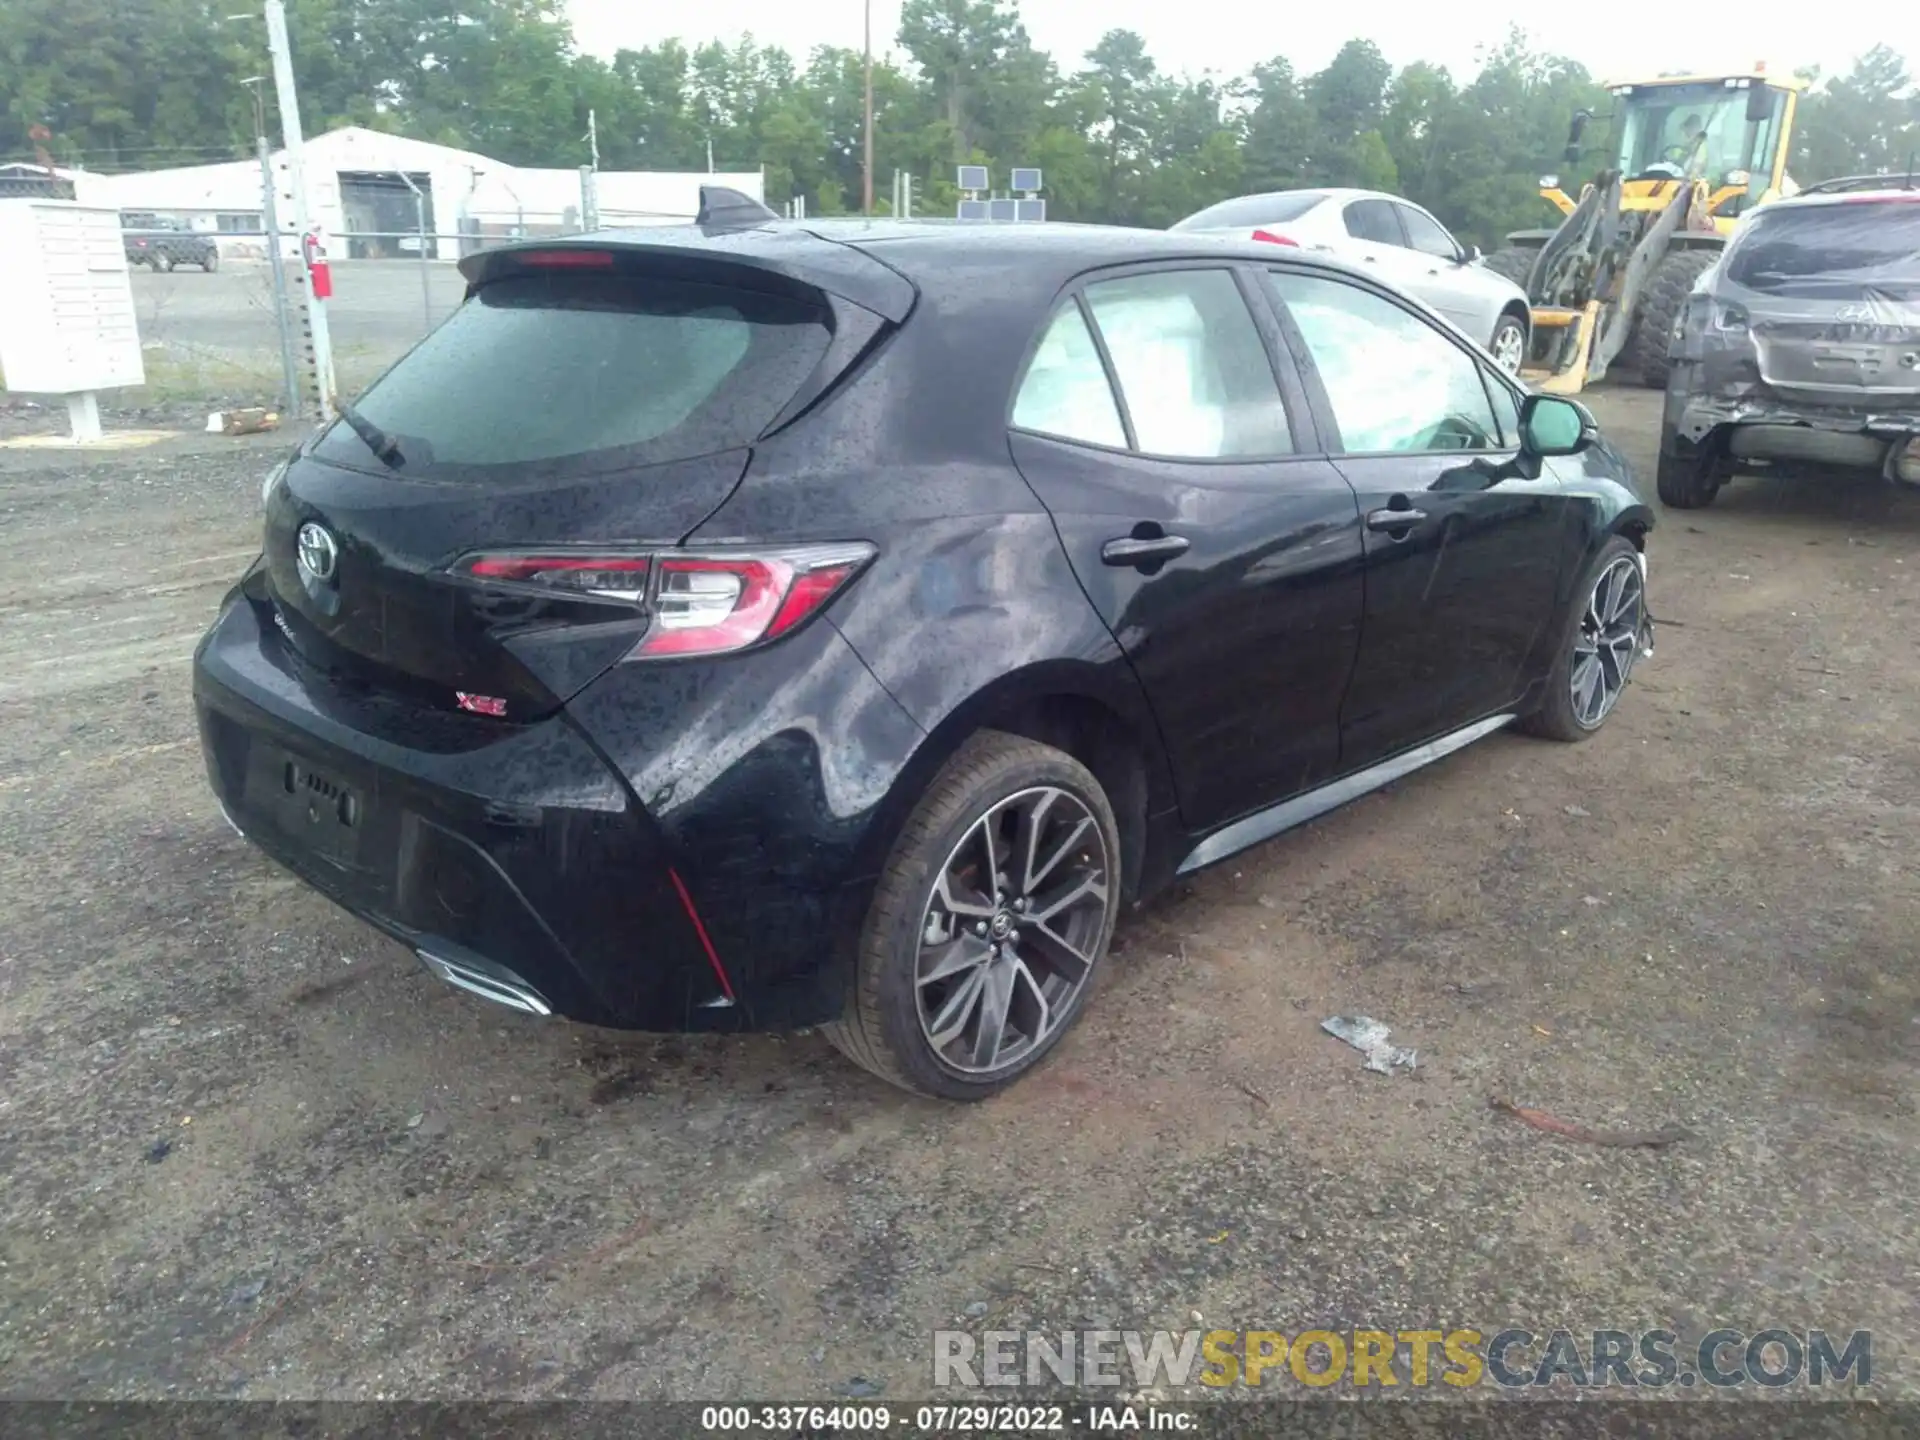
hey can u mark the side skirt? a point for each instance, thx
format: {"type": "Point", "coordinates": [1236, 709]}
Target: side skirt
{"type": "Point", "coordinates": [1265, 824]}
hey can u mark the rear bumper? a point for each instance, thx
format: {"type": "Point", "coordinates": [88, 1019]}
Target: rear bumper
{"type": "Point", "coordinates": [513, 859]}
{"type": "Point", "coordinates": [1771, 436]}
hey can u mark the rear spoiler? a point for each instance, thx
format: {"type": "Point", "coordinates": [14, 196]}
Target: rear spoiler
{"type": "Point", "coordinates": [724, 209]}
{"type": "Point", "coordinates": [789, 253]}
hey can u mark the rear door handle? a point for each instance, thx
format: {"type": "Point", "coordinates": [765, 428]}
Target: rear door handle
{"type": "Point", "coordinates": [1129, 551]}
{"type": "Point", "coordinates": [1394, 519]}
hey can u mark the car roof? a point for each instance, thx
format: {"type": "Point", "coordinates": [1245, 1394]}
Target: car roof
{"type": "Point", "coordinates": [881, 264]}
{"type": "Point", "coordinates": [1839, 197]}
{"type": "Point", "coordinates": [1325, 192]}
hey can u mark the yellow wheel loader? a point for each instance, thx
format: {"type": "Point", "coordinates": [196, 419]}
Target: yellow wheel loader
{"type": "Point", "coordinates": [1688, 156]}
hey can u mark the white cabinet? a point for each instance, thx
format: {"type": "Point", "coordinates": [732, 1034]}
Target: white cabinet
{"type": "Point", "coordinates": [67, 323]}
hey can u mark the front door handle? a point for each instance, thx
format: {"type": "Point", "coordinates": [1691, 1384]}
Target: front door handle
{"type": "Point", "coordinates": [1391, 519]}
{"type": "Point", "coordinates": [1150, 551]}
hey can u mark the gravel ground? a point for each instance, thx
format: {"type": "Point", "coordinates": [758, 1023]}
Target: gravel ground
{"type": "Point", "coordinates": [248, 1148]}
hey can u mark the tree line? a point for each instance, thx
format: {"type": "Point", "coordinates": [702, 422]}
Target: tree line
{"type": "Point", "coordinates": [139, 84]}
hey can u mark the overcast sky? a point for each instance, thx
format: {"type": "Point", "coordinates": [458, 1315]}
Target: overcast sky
{"type": "Point", "coordinates": [1630, 38]}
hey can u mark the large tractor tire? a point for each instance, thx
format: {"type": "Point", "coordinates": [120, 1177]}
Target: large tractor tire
{"type": "Point", "coordinates": [1513, 261]}
{"type": "Point", "coordinates": [1667, 290]}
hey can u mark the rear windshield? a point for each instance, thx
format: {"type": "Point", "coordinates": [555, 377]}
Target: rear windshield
{"type": "Point", "coordinates": [1253, 211]}
{"type": "Point", "coordinates": [571, 373]}
{"type": "Point", "coordinates": [1811, 248]}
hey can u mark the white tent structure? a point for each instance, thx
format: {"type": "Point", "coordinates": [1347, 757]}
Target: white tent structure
{"type": "Point", "coordinates": [369, 192]}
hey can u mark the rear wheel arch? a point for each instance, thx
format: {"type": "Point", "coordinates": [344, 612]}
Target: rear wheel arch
{"type": "Point", "coordinates": [1068, 707]}
{"type": "Point", "coordinates": [1636, 523]}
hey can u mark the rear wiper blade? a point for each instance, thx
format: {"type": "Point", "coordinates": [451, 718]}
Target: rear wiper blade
{"type": "Point", "coordinates": [385, 448]}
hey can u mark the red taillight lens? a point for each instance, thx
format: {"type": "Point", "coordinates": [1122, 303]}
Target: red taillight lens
{"type": "Point", "coordinates": [712, 603]}
{"type": "Point", "coordinates": [567, 259]}
{"type": "Point", "coordinates": [702, 602]}
{"type": "Point", "coordinates": [1273, 239]}
{"type": "Point", "coordinates": [605, 577]}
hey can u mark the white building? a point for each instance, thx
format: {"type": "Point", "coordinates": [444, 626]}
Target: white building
{"type": "Point", "coordinates": [370, 193]}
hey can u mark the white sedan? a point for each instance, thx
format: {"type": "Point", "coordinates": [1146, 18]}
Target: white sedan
{"type": "Point", "coordinates": [1410, 249]}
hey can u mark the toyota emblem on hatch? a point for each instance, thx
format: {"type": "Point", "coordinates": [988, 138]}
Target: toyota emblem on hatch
{"type": "Point", "coordinates": [317, 552]}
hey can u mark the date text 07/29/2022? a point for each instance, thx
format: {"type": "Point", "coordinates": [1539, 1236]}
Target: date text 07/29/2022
{"type": "Point", "coordinates": [945, 1419]}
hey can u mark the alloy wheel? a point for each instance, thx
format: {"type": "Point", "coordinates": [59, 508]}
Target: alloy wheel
{"type": "Point", "coordinates": [1608, 642]}
{"type": "Point", "coordinates": [1016, 920]}
{"type": "Point", "coordinates": [1509, 348]}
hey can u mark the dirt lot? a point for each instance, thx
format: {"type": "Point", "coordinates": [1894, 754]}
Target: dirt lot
{"type": "Point", "coordinates": [249, 1148]}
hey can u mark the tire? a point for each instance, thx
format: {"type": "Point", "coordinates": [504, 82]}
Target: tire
{"type": "Point", "coordinates": [211, 263]}
{"type": "Point", "coordinates": [162, 264]}
{"type": "Point", "coordinates": [1563, 715]}
{"type": "Point", "coordinates": [1685, 484]}
{"type": "Point", "coordinates": [887, 1026]}
{"type": "Point", "coordinates": [1510, 332]}
{"type": "Point", "coordinates": [1666, 296]}
{"type": "Point", "coordinates": [1515, 262]}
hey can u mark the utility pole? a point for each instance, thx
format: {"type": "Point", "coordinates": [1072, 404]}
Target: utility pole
{"type": "Point", "coordinates": [866, 169]}
{"type": "Point", "coordinates": [270, 217]}
{"type": "Point", "coordinates": [293, 141]}
{"type": "Point", "coordinates": [590, 178]}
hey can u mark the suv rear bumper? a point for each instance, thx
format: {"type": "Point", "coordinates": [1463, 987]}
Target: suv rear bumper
{"type": "Point", "coordinates": [511, 859]}
{"type": "Point", "coordinates": [1790, 441]}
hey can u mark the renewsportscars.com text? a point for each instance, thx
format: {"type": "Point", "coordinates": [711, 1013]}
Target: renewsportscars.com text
{"type": "Point", "coordinates": [1416, 1359]}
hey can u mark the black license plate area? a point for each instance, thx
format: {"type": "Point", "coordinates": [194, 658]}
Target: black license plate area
{"type": "Point", "coordinates": [308, 804]}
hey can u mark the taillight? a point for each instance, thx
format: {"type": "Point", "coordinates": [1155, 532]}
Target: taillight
{"type": "Point", "coordinates": [702, 602]}
{"type": "Point", "coordinates": [604, 577]}
{"type": "Point", "coordinates": [708, 604]}
{"type": "Point", "coordinates": [1273, 239]}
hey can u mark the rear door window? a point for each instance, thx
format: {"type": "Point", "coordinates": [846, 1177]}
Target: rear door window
{"type": "Point", "coordinates": [575, 373]}
{"type": "Point", "coordinates": [1065, 392]}
{"type": "Point", "coordinates": [1808, 249]}
{"type": "Point", "coordinates": [1374, 221]}
{"type": "Point", "coordinates": [1191, 365]}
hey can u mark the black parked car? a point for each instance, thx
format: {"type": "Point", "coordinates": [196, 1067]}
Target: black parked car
{"type": "Point", "coordinates": [161, 243]}
{"type": "Point", "coordinates": [1798, 355]}
{"type": "Point", "coordinates": [769, 625]}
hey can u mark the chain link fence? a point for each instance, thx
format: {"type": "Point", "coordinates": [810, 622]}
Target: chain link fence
{"type": "Point", "coordinates": [215, 336]}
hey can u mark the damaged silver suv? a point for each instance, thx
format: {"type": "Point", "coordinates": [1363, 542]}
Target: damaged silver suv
{"type": "Point", "coordinates": [1799, 353]}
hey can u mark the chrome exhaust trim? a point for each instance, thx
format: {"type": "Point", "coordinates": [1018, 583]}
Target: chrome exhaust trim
{"type": "Point", "coordinates": [503, 989]}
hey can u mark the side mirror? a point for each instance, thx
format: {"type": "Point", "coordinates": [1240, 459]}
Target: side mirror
{"type": "Point", "coordinates": [1470, 255]}
{"type": "Point", "coordinates": [1759, 104]}
{"type": "Point", "coordinates": [1553, 425]}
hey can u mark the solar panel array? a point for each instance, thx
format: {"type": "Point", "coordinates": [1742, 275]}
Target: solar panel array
{"type": "Point", "coordinates": [1026, 207]}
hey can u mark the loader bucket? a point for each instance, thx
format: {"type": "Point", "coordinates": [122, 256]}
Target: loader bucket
{"type": "Point", "coordinates": [1561, 352]}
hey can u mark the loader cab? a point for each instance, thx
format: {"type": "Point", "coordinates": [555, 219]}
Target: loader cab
{"type": "Point", "coordinates": [1732, 131]}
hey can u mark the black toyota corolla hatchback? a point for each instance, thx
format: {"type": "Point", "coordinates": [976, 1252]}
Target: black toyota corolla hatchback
{"type": "Point", "coordinates": [756, 624]}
